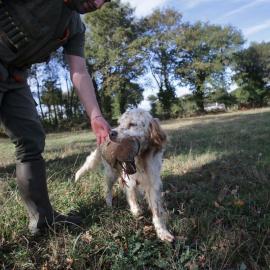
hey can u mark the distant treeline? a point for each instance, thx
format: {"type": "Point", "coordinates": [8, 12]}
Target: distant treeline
{"type": "Point", "coordinates": [161, 51]}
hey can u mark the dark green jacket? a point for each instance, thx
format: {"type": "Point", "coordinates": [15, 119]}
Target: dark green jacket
{"type": "Point", "coordinates": [36, 28]}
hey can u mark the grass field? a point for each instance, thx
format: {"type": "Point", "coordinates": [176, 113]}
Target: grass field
{"type": "Point", "coordinates": [216, 189]}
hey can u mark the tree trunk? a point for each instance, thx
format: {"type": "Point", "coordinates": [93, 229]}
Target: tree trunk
{"type": "Point", "coordinates": [199, 99]}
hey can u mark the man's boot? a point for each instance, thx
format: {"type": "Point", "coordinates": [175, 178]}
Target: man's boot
{"type": "Point", "coordinates": [31, 178]}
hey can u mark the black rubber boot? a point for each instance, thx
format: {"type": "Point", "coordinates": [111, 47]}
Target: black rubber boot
{"type": "Point", "coordinates": [31, 178]}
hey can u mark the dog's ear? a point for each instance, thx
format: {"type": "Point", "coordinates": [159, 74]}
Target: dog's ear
{"type": "Point", "coordinates": [158, 137]}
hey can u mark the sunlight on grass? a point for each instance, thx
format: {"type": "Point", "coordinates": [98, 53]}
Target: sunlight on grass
{"type": "Point", "coordinates": [216, 185]}
{"type": "Point", "coordinates": [181, 164]}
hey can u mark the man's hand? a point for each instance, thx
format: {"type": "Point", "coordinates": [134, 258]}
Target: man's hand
{"type": "Point", "coordinates": [101, 129]}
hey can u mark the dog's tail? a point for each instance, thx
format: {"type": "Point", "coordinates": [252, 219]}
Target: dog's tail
{"type": "Point", "coordinates": [92, 163]}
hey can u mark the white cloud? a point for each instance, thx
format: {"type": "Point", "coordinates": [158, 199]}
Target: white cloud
{"type": "Point", "coordinates": [145, 7]}
{"type": "Point", "coordinates": [193, 3]}
{"type": "Point", "coordinates": [257, 28]}
{"type": "Point", "coordinates": [243, 8]}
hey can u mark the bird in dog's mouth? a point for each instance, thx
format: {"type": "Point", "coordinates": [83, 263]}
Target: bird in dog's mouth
{"type": "Point", "coordinates": [121, 153]}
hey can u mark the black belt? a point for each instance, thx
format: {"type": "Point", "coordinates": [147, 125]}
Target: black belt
{"type": "Point", "coordinates": [7, 41]}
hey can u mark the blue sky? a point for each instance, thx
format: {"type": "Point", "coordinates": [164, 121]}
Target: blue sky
{"type": "Point", "coordinates": [252, 17]}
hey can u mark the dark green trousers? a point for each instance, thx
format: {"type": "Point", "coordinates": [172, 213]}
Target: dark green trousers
{"type": "Point", "coordinates": [19, 117]}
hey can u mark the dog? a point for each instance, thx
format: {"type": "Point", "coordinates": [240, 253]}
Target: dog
{"type": "Point", "coordinates": [151, 139]}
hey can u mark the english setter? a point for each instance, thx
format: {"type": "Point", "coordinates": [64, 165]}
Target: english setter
{"type": "Point", "coordinates": [151, 138]}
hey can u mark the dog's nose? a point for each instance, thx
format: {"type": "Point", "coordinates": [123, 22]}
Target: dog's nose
{"type": "Point", "coordinates": [113, 134]}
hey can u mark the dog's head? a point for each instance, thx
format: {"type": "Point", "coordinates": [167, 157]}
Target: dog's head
{"type": "Point", "coordinates": [140, 125]}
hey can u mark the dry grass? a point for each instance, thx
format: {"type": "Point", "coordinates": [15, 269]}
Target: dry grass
{"type": "Point", "coordinates": [216, 189]}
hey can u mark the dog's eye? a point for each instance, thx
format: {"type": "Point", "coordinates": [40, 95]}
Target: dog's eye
{"type": "Point", "coordinates": [131, 125]}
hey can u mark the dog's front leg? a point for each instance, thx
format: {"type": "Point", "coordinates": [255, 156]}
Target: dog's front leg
{"type": "Point", "coordinates": [111, 177]}
{"type": "Point", "coordinates": [132, 197]}
{"type": "Point", "coordinates": [153, 196]}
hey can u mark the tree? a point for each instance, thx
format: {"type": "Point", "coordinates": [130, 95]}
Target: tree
{"type": "Point", "coordinates": [34, 73]}
{"type": "Point", "coordinates": [70, 99]}
{"type": "Point", "coordinates": [51, 97]}
{"type": "Point", "coordinates": [113, 53]}
{"type": "Point", "coordinates": [187, 104]}
{"type": "Point", "coordinates": [44, 77]}
{"type": "Point", "coordinates": [162, 29]}
{"type": "Point", "coordinates": [241, 96]}
{"type": "Point", "coordinates": [205, 53]}
{"type": "Point", "coordinates": [221, 96]}
{"type": "Point", "coordinates": [153, 103]}
{"type": "Point", "coordinates": [253, 72]}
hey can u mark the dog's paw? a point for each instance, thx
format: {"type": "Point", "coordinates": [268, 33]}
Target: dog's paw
{"type": "Point", "coordinates": [164, 235]}
{"type": "Point", "coordinates": [136, 211]}
{"type": "Point", "coordinates": [77, 176]}
{"type": "Point", "coordinates": [109, 198]}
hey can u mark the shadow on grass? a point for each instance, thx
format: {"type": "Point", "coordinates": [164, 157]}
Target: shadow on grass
{"type": "Point", "coordinates": [237, 140]}
{"type": "Point", "coordinates": [233, 187]}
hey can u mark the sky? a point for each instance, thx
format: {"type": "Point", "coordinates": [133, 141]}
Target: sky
{"type": "Point", "coordinates": [250, 16]}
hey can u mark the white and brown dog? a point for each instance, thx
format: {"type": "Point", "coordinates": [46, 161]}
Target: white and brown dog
{"type": "Point", "coordinates": [150, 140]}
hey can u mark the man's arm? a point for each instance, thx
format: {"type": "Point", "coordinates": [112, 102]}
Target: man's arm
{"type": "Point", "coordinates": [85, 90]}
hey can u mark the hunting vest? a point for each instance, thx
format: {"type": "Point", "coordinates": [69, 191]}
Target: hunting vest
{"type": "Point", "coordinates": [32, 29]}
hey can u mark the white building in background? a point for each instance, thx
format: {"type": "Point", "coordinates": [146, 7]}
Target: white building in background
{"type": "Point", "coordinates": [215, 107]}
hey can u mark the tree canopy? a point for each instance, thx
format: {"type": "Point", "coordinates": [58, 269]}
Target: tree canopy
{"type": "Point", "coordinates": [252, 67]}
{"type": "Point", "coordinates": [114, 56]}
{"type": "Point", "coordinates": [162, 29]}
{"type": "Point", "coordinates": [205, 53]}
{"type": "Point", "coordinates": [122, 50]}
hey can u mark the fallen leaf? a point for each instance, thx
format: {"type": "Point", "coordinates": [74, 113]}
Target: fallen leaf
{"type": "Point", "coordinates": [222, 194]}
{"type": "Point", "coordinates": [193, 221]}
{"type": "Point", "coordinates": [219, 221]}
{"type": "Point", "coordinates": [45, 266]}
{"type": "Point", "coordinates": [69, 260]}
{"type": "Point", "coordinates": [234, 191]}
{"type": "Point", "coordinates": [147, 231]}
{"type": "Point", "coordinates": [218, 205]}
{"type": "Point", "coordinates": [201, 258]}
{"type": "Point", "coordinates": [193, 266]}
{"type": "Point", "coordinates": [181, 238]}
{"type": "Point", "coordinates": [88, 237]}
{"type": "Point", "coordinates": [174, 188]}
{"type": "Point", "coordinates": [239, 203]}
{"type": "Point", "coordinates": [163, 194]}
{"type": "Point", "coordinates": [225, 167]}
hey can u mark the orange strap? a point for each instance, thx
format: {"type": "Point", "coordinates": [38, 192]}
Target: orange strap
{"type": "Point", "coordinates": [66, 34]}
{"type": "Point", "coordinates": [17, 78]}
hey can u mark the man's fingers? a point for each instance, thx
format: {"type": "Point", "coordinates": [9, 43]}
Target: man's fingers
{"type": "Point", "coordinates": [103, 139]}
{"type": "Point", "coordinates": [98, 141]}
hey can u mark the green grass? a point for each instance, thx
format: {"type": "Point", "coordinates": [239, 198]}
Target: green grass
{"type": "Point", "coordinates": [215, 188]}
